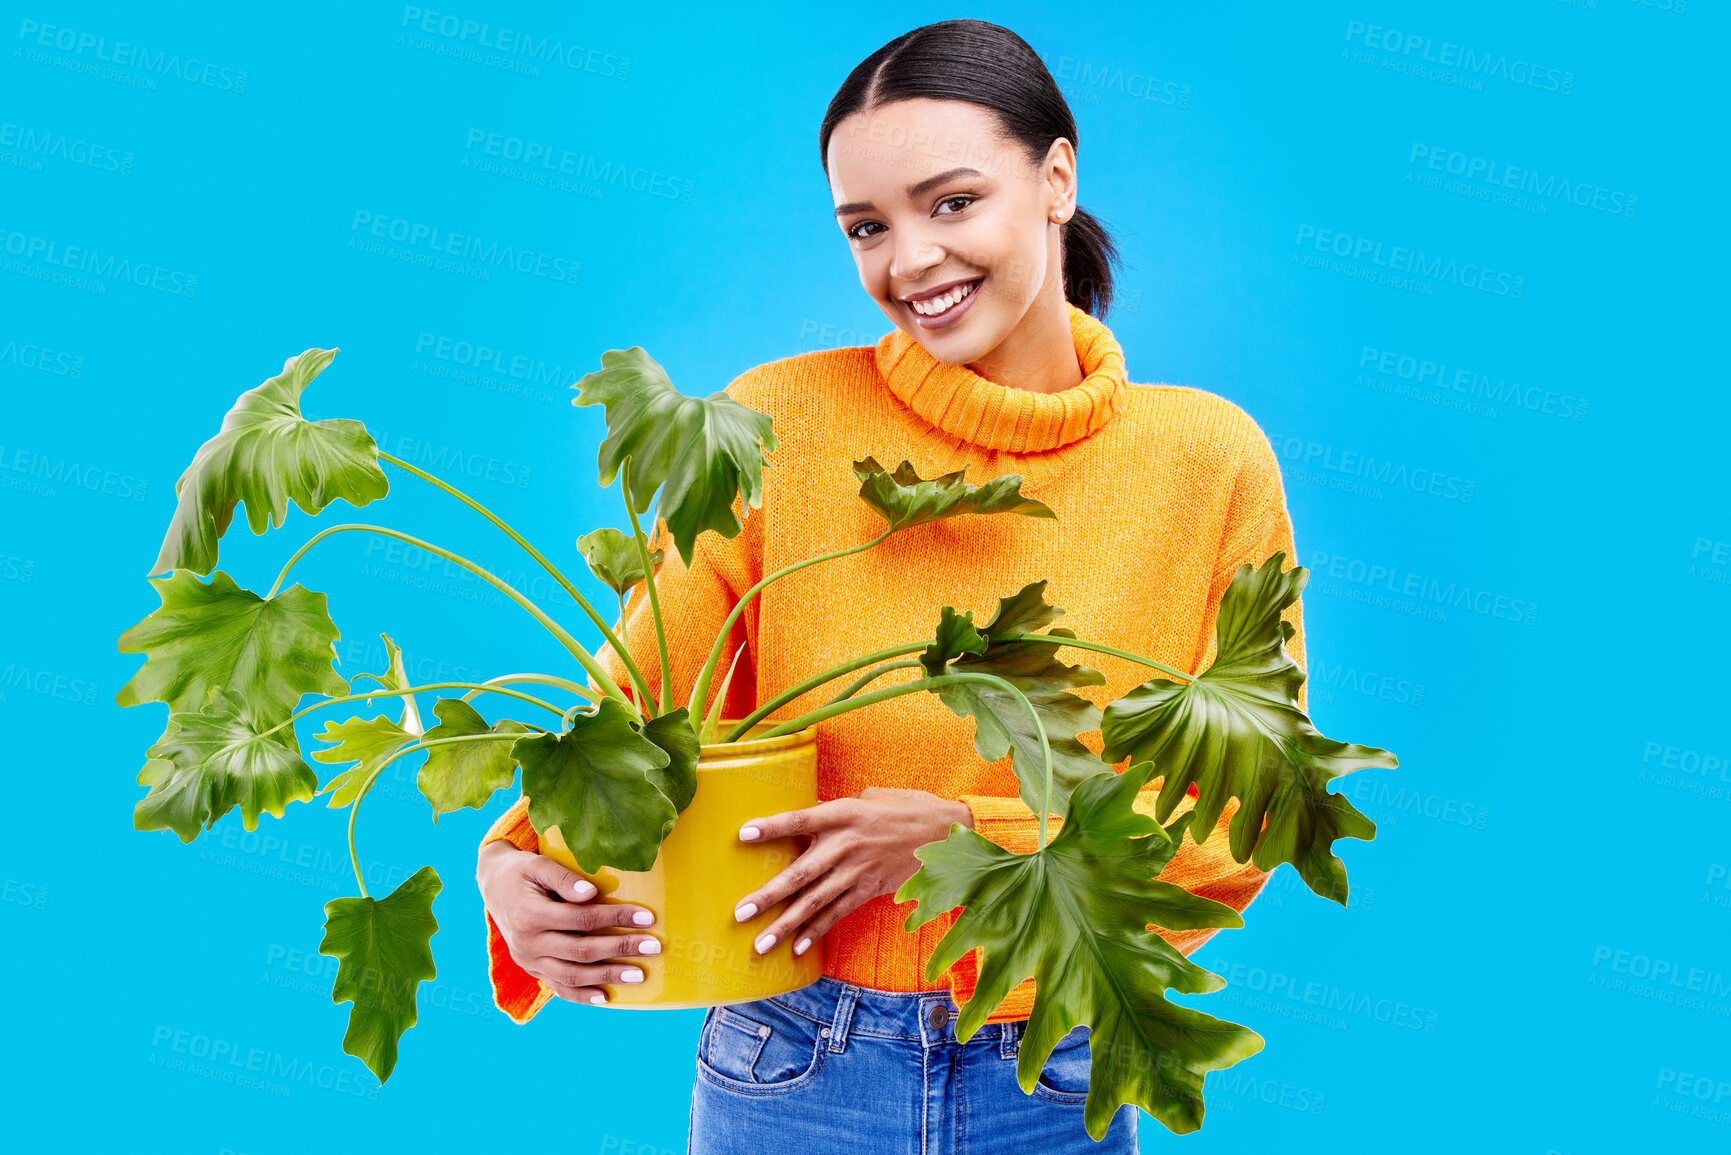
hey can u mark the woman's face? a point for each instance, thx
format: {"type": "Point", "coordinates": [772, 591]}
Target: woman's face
{"type": "Point", "coordinates": [938, 207]}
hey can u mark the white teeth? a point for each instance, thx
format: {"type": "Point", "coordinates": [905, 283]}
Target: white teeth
{"type": "Point", "coordinates": [938, 305]}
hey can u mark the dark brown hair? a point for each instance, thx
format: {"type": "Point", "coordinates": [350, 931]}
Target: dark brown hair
{"type": "Point", "coordinates": [987, 65]}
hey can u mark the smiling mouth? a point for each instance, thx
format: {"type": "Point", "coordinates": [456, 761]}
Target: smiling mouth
{"type": "Point", "coordinates": [943, 303]}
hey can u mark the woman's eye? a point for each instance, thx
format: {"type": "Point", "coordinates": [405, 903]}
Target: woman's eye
{"type": "Point", "coordinates": [855, 233]}
{"type": "Point", "coordinates": [966, 201]}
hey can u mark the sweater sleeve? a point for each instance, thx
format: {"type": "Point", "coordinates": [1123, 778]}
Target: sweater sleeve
{"type": "Point", "coordinates": [1257, 525]}
{"type": "Point", "coordinates": [695, 601]}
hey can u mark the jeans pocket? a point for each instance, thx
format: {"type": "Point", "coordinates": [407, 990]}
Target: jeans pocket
{"type": "Point", "coordinates": [1064, 1079]}
{"type": "Point", "coordinates": [759, 1046]}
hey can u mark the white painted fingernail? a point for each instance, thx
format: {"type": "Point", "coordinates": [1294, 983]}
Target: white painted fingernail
{"type": "Point", "coordinates": [765, 942]}
{"type": "Point", "coordinates": [744, 911]}
{"type": "Point", "coordinates": [643, 918]}
{"type": "Point", "coordinates": [584, 888]}
{"type": "Point", "coordinates": [649, 946]}
{"type": "Point", "coordinates": [749, 833]}
{"type": "Point", "coordinates": [631, 975]}
{"type": "Point", "coordinates": [800, 946]}
{"type": "Point", "coordinates": [597, 1000]}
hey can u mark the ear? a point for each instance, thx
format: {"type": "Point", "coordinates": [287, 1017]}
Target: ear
{"type": "Point", "coordinates": [1059, 172]}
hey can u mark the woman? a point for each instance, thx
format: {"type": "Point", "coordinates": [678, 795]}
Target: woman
{"type": "Point", "coordinates": [951, 158]}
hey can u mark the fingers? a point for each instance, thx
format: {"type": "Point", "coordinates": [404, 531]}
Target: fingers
{"type": "Point", "coordinates": [569, 904]}
{"type": "Point", "coordinates": [585, 917]}
{"type": "Point", "coordinates": [556, 879]}
{"type": "Point", "coordinates": [790, 822]}
{"type": "Point", "coordinates": [577, 982]}
{"type": "Point", "coordinates": [590, 948]}
{"type": "Point", "coordinates": [805, 870]}
{"type": "Point", "coordinates": [826, 920]}
{"type": "Point", "coordinates": [798, 912]}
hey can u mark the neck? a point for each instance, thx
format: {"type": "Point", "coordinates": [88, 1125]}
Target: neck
{"type": "Point", "coordinates": [1039, 355]}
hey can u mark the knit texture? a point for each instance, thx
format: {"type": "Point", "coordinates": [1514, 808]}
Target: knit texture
{"type": "Point", "coordinates": [1161, 492]}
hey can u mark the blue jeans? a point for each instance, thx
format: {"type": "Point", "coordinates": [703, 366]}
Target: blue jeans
{"type": "Point", "coordinates": [838, 1067]}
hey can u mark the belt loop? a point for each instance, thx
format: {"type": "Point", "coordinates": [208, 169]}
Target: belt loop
{"type": "Point", "coordinates": [842, 1020]}
{"type": "Point", "coordinates": [1007, 1043]}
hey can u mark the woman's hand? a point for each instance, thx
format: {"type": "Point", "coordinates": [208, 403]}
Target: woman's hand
{"type": "Point", "coordinates": [551, 927]}
{"type": "Point", "coordinates": [860, 847]}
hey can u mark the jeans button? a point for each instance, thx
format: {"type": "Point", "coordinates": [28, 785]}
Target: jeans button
{"type": "Point", "coordinates": [938, 1016]}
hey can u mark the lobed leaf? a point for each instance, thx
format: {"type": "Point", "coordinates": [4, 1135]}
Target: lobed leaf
{"type": "Point", "coordinates": [465, 774]}
{"type": "Point", "coordinates": [1074, 916]}
{"type": "Point", "coordinates": [613, 558]}
{"type": "Point", "coordinates": [673, 733]}
{"type": "Point", "coordinates": [269, 651]}
{"type": "Point", "coordinates": [593, 783]}
{"type": "Point", "coordinates": [954, 637]}
{"type": "Point", "coordinates": [395, 677]}
{"type": "Point", "coordinates": [699, 452]}
{"type": "Point", "coordinates": [383, 949]}
{"type": "Point", "coordinates": [266, 454]}
{"type": "Point", "coordinates": [903, 499]}
{"type": "Point", "coordinates": [1237, 731]}
{"type": "Point", "coordinates": [214, 759]}
{"type": "Point", "coordinates": [1001, 722]}
{"type": "Point", "coordinates": [364, 741]}
{"type": "Point", "coordinates": [368, 742]}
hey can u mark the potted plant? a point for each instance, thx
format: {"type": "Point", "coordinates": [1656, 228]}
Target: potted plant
{"type": "Point", "coordinates": [617, 776]}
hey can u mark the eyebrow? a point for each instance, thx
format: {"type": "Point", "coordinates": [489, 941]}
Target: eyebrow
{"type": "Point", "coordinates": [914, 190]}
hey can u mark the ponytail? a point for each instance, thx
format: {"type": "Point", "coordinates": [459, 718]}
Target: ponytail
{"type": "Point", "coordinates": [1088, 257]}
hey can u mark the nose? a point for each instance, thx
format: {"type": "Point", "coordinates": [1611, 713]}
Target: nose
{"type": "Point", "coordinates": [914, 254]}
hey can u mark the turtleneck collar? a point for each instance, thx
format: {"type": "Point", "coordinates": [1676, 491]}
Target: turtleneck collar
{"type": "Point", "coordinates": [982, 412]}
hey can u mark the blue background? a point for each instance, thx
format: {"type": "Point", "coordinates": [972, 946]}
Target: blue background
{"type": "Point", "coordinates": [1535, 959]}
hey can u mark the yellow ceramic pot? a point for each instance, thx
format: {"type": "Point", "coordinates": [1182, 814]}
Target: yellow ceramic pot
{"type": "Point", "coordinates": [703, 870]}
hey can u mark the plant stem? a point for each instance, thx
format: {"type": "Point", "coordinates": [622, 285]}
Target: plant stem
{"type": "Point", "coordinates": [370, 694]}
{"type": "Point", "coordinates": [626, 642]}
{"type": "Point", "coordinates": [873, 675]}
{"type": "Point", "coordinates": [538, 679]}
{"type": "Point", "coordinates": [937, 683]}
{"type": "Point", "coordinates": [584, 659]}
{"type": "Point", "coordinates": [631, 669]}
{"type": "Point", "coordinates": [355, 806]}
{"type": "Point", "coordinates": [700, 690]}
{"type": "Point", "coordinates": [1079, 644]}
{"type": "Point", "coordinates": [649, 583]}
{"type": "Point", "coordinates": [814, 682]}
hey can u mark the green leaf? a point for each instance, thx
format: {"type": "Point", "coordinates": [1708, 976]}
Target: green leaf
{"type": "Point", "coordinates": [368, 742]}
{"type": "Point", "coordinates": [613, 557]}
{"type": "Point", "coordinates": [1001, 722]}
{"type": "Point", "coordinates": [592, 782]}
{"type": "Point", "coordinates": [673, 733]}
{"type": "Point", "coordinates": [394, 678]}
{"type": "Point", "coordinates": [1237, 732]}
{"type": "Point", "coordinates": [384, 951]}
{"type": "Point", "coordinates": [211, 760]}
{"type": "Point", "coordinates": [269, 651]}
{"type": "Point", "coordinates": [902, 499]}
{"type": "Point", "coordinates": [364, 741]}
{"type": "Point", "coordinates": [955, 636]}
{"type": "Point", "coordinates": [699, 452]}
{"type": "Point", "coordinates": [465, 774]}
{"type": "Point", "coordinates": [177, 801]}
{"type": "Point", "coordinates": [1074, 917]}
{"type": "Point", "coordinates": [265, 455]}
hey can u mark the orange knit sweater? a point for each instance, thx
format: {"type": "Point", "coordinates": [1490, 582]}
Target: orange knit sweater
{"type": "Point", "coordinates": [1161, 491]}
